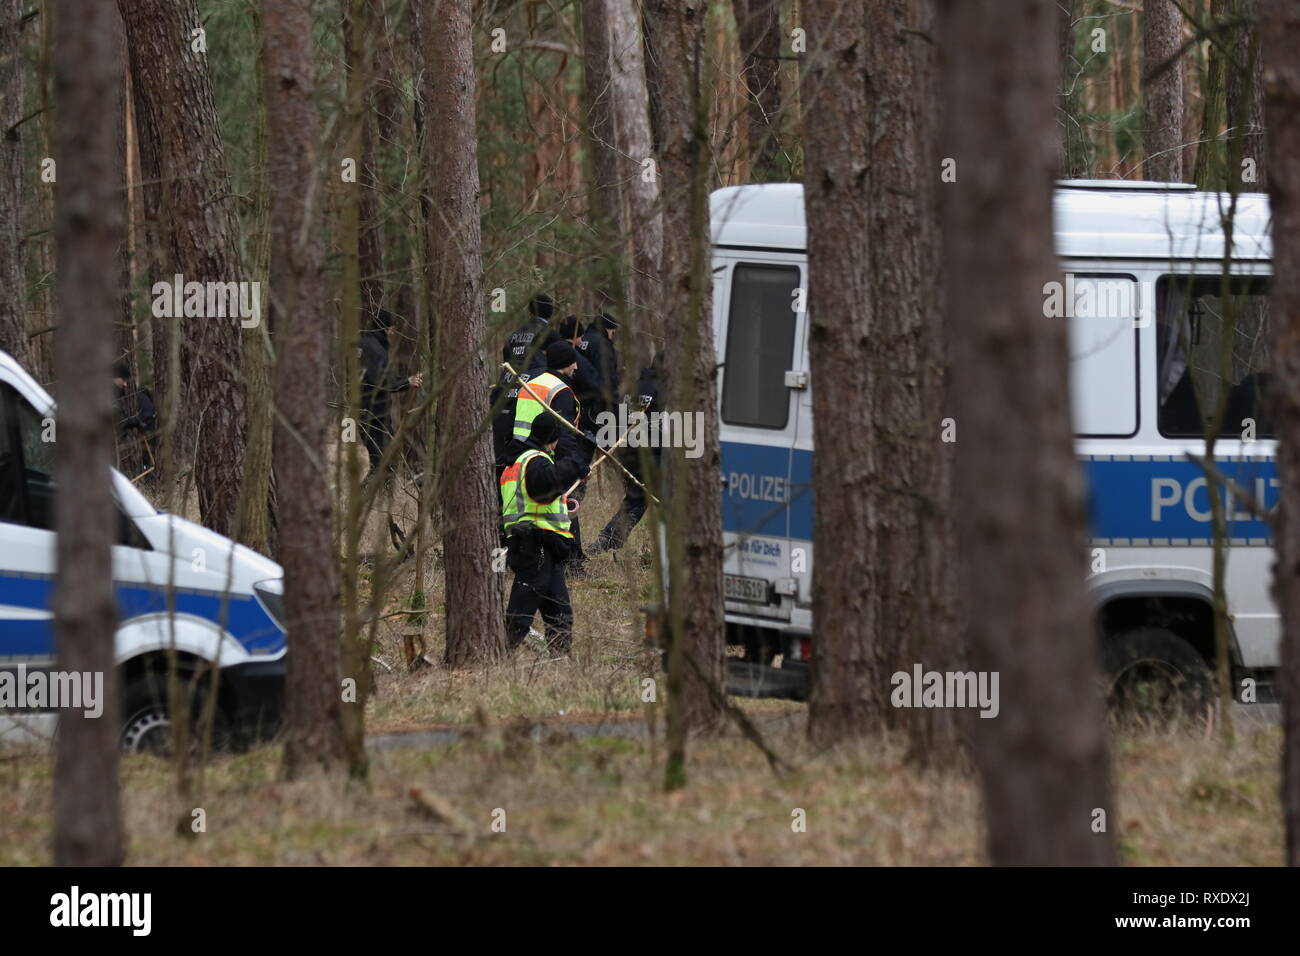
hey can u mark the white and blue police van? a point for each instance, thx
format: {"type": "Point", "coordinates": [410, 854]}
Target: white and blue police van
{"type": "Point", "coordinates": [182, 591]}
{"type": "Point", "coordinates": [1148, 313]}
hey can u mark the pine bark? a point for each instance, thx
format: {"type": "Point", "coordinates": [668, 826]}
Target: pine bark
{"type": "Point", "coordinates": [758, 27]}
{"type": "Point", "coordinates": [1162, 135]}
{"type": "Point", "coordinates": [677, 72]}
{"type": "Point", "coordinates": [89, 228]}
{"type": "Point", "coordinates": [1043, 759]}
{"type": "Point", "coordinates": [313, 732]}
{"type": "Point", "coordinates": [850, 679]}
{"type": "Point", "coordinates": [470, 503]}
{"type": "Point", "coordinates": [627, 191]}
{"type": "Point", "coordinates": [1280, 33]}
{"type": "Point", "coordinates": [185, 163]}
{"type": "Point", "coordinates": [13, 304]}
{"type": "Point", "coordinates": [1244, 100]}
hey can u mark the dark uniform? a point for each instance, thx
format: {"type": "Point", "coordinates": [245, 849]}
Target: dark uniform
{"type": "Point", "coordinates": [539, 540]}
{"type": "Point", "coordinates": [598, 349]}
{"type": "Point", "coordinates": [525, 350]}
{"type": "Point", "coordinates": [614, 535]}
{"type": "Point", "coordinates": [378, 384]}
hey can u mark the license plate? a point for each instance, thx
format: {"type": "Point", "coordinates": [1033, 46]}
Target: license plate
{"type": "Point", "coordinates": [737, 588]}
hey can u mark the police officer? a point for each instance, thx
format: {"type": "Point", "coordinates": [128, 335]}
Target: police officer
{"type": "Point", "coordinates": [585, 379]}
{"type": "Point", "coordinates": [597, 346]}
{"type": "Point", "coordinates": [614, 535]}
{"type": "Point", "coordinates": [535, 517]}
{"type": "Point", "coordinates": [525, 350]}
{"type": "Point", "coordinates": [554, 389]}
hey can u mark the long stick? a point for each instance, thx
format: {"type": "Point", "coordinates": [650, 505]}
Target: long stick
{"type": "Point", "coordinates": [607, 454]}
{"type": "Point", "coordinates": [574, 428]}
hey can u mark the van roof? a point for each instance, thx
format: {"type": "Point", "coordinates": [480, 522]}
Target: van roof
{"type": "Point", "coordinates": [1114, 219]}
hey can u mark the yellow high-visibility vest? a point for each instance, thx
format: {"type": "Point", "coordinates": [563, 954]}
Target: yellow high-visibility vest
{"type": "Point", "coordinates": [519, 508]}
{"type": "Point", "coordinates": [532, 396]}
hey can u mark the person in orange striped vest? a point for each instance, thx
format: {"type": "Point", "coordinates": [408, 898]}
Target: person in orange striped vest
{"type": "Point", "coordinates": [553, 389]}
{"type": "Point", "coordinates": [535, 517]}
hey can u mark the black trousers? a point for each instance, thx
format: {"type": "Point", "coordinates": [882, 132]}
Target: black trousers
{"type": "Point", "coordinates": [375, 436]}
{"type": "Point", "coordinates": [614, 535]}
{"type": "Point", "coordinates": [539, 586]}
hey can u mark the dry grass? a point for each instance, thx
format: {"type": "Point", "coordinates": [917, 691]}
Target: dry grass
{"type": "Point", "coordinates": [1181, 800]}
{"type": "Point", "coordinates": [598, 801]}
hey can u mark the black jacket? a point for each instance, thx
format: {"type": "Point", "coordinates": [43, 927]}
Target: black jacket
{"type": "Point", "coordinates": [528, 358]}
{"type": "Point", "coordinates": [571, 446]}
{"type": "Point", "coordinates": [586, 383]}
{"type": "Point", "coordinates": [522, 352]}
{"type": "Point", "coordinates": [134, 409]}
{"type": "Point", "coordinates": [646, 399]}
{"type": "Point", "coordinates": [545, 481]}
{"type": "Point", "coordinates": [378, 382]}
{"type": "Point", "coordinates": [600, 352]}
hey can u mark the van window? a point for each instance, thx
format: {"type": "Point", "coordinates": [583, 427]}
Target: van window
{"type": "Point", "coordinates": [27, 471]}
{"type": "Point", "coordinates": [760, 345]}
{"type": "Point", "coordinates": [1213, 350]}
{"type": "Point", "coordinates": [1103, 310]}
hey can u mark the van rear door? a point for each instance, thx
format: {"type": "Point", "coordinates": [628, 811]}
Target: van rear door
{"type": "Point", "coordinates": [758, 317]}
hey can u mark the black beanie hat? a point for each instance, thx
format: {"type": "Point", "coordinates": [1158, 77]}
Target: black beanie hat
{"type": "Point", "coordinates": [541, 306]}
{"type": "Point", "coordinates": [545, 429]}
{"type": "Point", "coordinates": [560, 355]}
{"type": "Point", "coordinates": [569, 327]}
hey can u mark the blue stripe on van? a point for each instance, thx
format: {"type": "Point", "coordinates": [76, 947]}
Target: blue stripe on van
{"type": "Point", "coordinates": [245, 618]}
{"type": "Point", "coordinates": [1132, 500]}
{"type": "Point", "coordinates": [1164, 500]}
{"type": "Point", "coordinates": [768, 491]}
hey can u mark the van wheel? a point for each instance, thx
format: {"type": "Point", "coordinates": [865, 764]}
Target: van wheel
{"type": "Point", "coordinates": [1154, 674]}
{"type": "Point", "coordinates": [146, 721]}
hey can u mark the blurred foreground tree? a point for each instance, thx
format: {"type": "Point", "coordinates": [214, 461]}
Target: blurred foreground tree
{"type": "Point", "coordinates": [89, 229]}
{"type": "Point", "coordinates": [1043, 759]}
{"type": "Point", "coordinates": [301, 325]}
{"type": "Point", "coordinates": [1280, 29]}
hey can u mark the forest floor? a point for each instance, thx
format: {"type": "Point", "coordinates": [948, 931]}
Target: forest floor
{"type": "Point", "coordinates": [548, 766]}
{"type": "Point", "coordinates": [504, 796]}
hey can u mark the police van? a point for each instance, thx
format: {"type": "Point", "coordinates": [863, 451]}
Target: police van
{"type": "Point", "coordinates": [1148, 316]}
{"type": "Point", "coordinates": [180, 588]}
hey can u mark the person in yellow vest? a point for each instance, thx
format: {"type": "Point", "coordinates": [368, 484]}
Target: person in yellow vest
{"type": "Point", "coordinates": [552, 388]}
{"type": "Point", "coordinates": [535, 517]}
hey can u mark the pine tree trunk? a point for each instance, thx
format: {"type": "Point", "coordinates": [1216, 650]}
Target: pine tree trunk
{"type": "Point", "coordinates": [1244, 101]}
{"type": "Point", "coordinates": [758, 26]}
{"type": "Point", "coordinates": [13, 303]}
{"type": "Point", "coordinates": [470, 503]}
{"type": "Point", "coordinates": [89, 229]}
{"type": "Point", "coordinates": [695, 533]}
{"type": "Point", "coordinates": [1162, 138]}
{"type": "Point", "coordinates": [1208, 172]}
{"type": "Point", "coordinates": [850, 669]}
{"type": "Point", "coordinates": [177, 116]}
{"type": "Point", "coordinates": [1043, 759]}
{"type": "Point", "coordinates": [627, 190]}
{"type": "Point", "coordinates": [1280, 32]}
{"type": "Point", "coordinates": [299, 318]}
